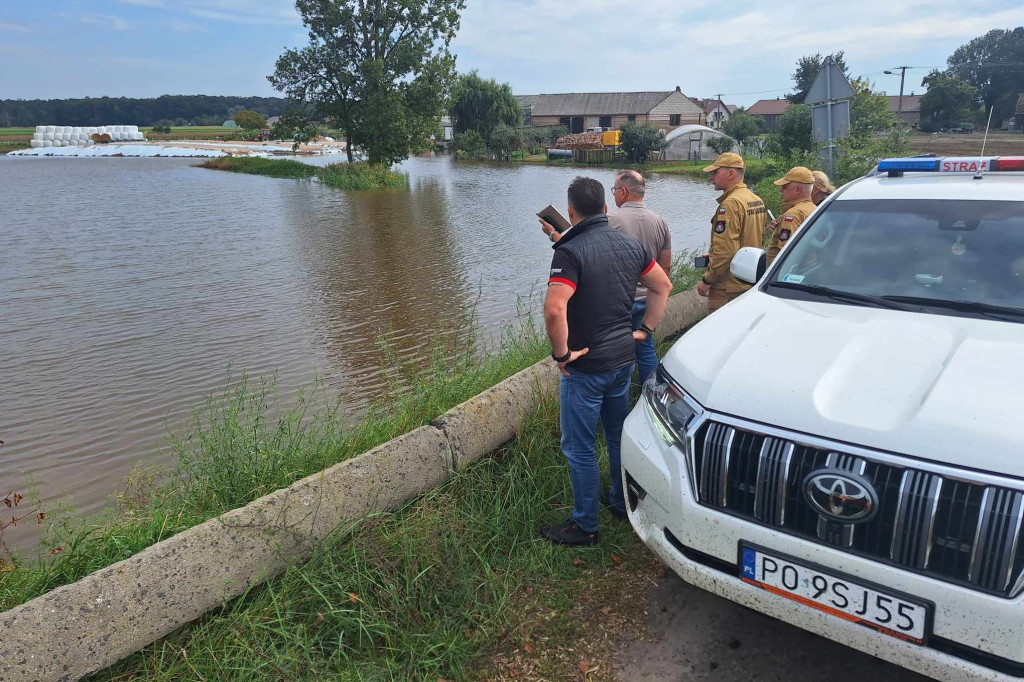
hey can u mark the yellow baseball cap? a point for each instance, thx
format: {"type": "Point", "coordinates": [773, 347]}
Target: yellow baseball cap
{"type": "Point", "coordinates": [726, 160]}
{"type": "Point", "coordinates": [798, 174]}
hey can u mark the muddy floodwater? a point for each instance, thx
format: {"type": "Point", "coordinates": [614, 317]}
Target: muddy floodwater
{"type": "Point", "coordinates": [128, 287]}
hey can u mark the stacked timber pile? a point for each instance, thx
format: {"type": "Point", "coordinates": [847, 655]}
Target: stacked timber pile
{"type": "Point", "coordinates": [580, 141]}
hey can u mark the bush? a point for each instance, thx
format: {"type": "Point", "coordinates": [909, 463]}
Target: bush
{"type": "Point", "coordinates": [794, 131]}
{"type": "Point", "coordinates": [469, 144]}
{"type": "Point", "coordinates": [721, 144]}
{"type": "Point", "coordinates": [361, 176]}
{"type": "Point", "coordinates": [639, 140]}
{"type": "Point", "coordinates": [505, 140]}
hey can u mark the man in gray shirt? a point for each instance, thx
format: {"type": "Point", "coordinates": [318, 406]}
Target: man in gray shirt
{"type": "Point", "coordinates": [650, 229]}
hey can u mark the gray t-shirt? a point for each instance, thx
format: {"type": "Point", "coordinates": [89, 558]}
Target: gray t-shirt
{"type": "Point", "coordinates": [647, 227]}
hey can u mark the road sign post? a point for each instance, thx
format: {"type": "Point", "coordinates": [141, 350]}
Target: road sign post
{"type": "Point", "coordinates": [830, 96]}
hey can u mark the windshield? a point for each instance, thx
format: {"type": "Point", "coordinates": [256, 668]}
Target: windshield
{"type": "Point", "coordinates": [954, 257]}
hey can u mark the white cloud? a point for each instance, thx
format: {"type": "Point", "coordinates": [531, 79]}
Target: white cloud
{"type": "Point", "coordinates": [109, 21]}
{"type": "Point", "coordinates": [707, 47]}
{"type": "Point", "coordinates": [187, 27]}
{"type": "Point", "coordinates": [234, 11]}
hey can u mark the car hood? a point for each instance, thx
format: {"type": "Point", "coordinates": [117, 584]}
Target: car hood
{"type": "Point", "coordinates": [936, 387]}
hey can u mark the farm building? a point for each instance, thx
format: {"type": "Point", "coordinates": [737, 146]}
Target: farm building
{"type": "Point", "coordinates": [665, 110]}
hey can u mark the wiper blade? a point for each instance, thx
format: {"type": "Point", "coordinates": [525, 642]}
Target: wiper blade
{"type": "Point", "coordinates": [845, 296]}
{"type": "Point", "coordinates": [998, 312]}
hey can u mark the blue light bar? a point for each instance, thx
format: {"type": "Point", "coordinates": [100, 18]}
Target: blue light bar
{"type": "Point", "coordinates": [899, 165]}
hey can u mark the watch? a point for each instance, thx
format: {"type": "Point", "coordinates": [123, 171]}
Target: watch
{"type": "Point", "coordinates": [564, 358]}
{"type": "Point", "coordinates": [646, 330]}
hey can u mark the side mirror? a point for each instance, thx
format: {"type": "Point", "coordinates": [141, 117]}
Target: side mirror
{"type": "Point", "coordinates": [749, 264]}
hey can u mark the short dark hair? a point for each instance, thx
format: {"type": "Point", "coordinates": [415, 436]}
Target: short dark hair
{"type": "Point", "coordinates": [586, 196]}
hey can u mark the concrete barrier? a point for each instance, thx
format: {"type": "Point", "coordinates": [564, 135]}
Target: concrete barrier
{"type": "Point", "coordinates": [483, 423]}
{"type": "Point", "coordinates": [90, 624]}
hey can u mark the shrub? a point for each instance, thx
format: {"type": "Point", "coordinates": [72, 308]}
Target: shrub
{"type": "Point", "coordinates": [640, 139]}
{"type": "Point", "coordinates": [469, 144]}
{"type": "Point", "coordinates": [721, 144]}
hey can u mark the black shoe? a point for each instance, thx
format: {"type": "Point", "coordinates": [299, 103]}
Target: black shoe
{"type": "Point", "coordinates": [569, 534]}
{"type": "Point", "coordinates": [616, 511]}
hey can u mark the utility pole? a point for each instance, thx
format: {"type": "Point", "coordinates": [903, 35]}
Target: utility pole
{"type": "Point", "coordinates": [718, 118]}
{"type": "Point", "coordinates": [903, 76]}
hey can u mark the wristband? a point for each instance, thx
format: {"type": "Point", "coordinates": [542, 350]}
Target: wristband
{"type": "Point", "coordinates": [706, 283]}
{"type": "Point", "coordinates": [646, 330]}
{"type": "Point", "coordinates": [564, 358]}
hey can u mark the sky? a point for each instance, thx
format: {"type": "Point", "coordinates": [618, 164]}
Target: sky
{"type": "Point", "coordinates": [745, 51]}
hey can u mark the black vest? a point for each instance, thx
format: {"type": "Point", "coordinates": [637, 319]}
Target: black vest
{"type": "Point", "coordinates": [609, 264]}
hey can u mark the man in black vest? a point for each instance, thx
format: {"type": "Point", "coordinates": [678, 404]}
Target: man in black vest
{"type": "Point", "coordinates": [593, 279]}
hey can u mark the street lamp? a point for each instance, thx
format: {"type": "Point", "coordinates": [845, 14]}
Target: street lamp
{"type": "Point", "coordinates": [903, 75]}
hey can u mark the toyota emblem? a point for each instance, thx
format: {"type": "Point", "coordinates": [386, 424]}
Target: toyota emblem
{"type": "Point", "coordinates": [841, 496]}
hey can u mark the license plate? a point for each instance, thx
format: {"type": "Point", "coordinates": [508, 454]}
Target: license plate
{"type": "Point", "coordinates": [889, 612]}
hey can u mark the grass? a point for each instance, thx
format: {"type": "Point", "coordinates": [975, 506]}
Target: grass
{"type": "Point", "coordinates": [274, 168]}
{"type": "Point", "coordinates": [338, 175]}
{"type": "Point", "coordinates": [8, 146]}
{"type": "Point", "coordinates": [453, 586]}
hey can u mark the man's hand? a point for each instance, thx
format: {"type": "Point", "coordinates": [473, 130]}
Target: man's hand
{"type": "Point", "coordinates": [549, 229]}
{"type": "Point", "coordinates": [639, 336]}
{"type": "Point", "coordinates": [573, 356]}
{"type": "Point", "coordinates": [703, 289]}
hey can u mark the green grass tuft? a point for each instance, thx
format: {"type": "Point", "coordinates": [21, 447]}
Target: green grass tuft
{"type": "Point", "coordinates": [356, 176]}
{"type": "Point", "coordinates": [274, 168]}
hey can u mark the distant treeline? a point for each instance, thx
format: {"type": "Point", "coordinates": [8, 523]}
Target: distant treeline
{"type": "Point", "coordinates": [176, 110]}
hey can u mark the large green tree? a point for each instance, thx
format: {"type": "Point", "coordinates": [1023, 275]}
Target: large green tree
{"type": "Point", "coordinates": [483, 104]}
{"type": "Point", "coordinates": [807, 69]}
{"type": "Point", "coordinates": [250, 120]}
{"type": "Point", "coordinates": [949, 100]}
{"type": "Point", "coordinates": [994, 65]}
{"type": "Point", "coordinates": [381, 69]}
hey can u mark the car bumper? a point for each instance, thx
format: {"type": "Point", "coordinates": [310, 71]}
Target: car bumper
{"type": "Point", "coordinates": [974, 636]}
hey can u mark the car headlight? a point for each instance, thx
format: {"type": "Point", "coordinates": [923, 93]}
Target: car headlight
{"type": "Point", "coordinates": [672, 410]}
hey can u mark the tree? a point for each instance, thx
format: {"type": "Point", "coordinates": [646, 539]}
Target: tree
{"type": "Point", "coordinates": [505, 139]}
{"type": "Point", "coordinates": [994, 65]}
{"type": "Point", "coordinates": [807, 69]}
{"type": "Point", "coordinates": [869, 111]}
{"type": "Point", "coordinates": [482, 105]}
{"type": "Point", "coordinates": [640, 139]}
{"type": "Point", "coordinates": [721, 144]}
{"type": "Point", "coordinates": [741, 126]}
{"type": "Point", "coordinates": [250, 120]}
{"type": "Point", "coordinates": [294, 124]}
{"type": "Point", "coordinates": [794, 130]}
{"type": "Point", "coordinates": [381, 69]}
{"type": "Point", "coordinates": [949, 100]}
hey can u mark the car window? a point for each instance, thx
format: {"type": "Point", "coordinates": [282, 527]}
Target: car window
{"type": "Point", "coordinates": [912, 249]}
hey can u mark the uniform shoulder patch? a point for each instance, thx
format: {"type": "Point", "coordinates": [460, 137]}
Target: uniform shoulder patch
{"type": "Point", "coordinates": [784, 235]}
{"type": "Point", "coordinates": [721, 210]}
{"type": "Point", "coordinates": [720, 227]}
{"type": "Point", "coordinates": [789, 219]}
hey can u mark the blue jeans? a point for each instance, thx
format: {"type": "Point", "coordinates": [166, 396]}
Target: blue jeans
{"type": "Point", "coordinates": [646, 360]}
{"type": "Point", "coordinates": [584, 399]}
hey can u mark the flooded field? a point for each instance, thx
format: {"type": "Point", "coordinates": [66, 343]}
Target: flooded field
{"type": "Point", "coordinates": [131, 287]}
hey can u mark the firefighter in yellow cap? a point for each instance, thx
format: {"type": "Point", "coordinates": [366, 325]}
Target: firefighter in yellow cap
{"type": "Point", "coordinates": [738, 221]}
{"type": "Point", "coordinates": [796, 189]}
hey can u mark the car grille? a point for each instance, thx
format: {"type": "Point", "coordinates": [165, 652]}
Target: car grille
{"type": "Point", "coordinates": [952, 529]}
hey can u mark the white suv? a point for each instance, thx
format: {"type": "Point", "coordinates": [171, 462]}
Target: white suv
{"type": "Point", "coordinates": [842, 447]}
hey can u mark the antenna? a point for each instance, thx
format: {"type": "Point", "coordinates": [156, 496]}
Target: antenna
{"type": "Point", "coordinates": [981, 161]}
